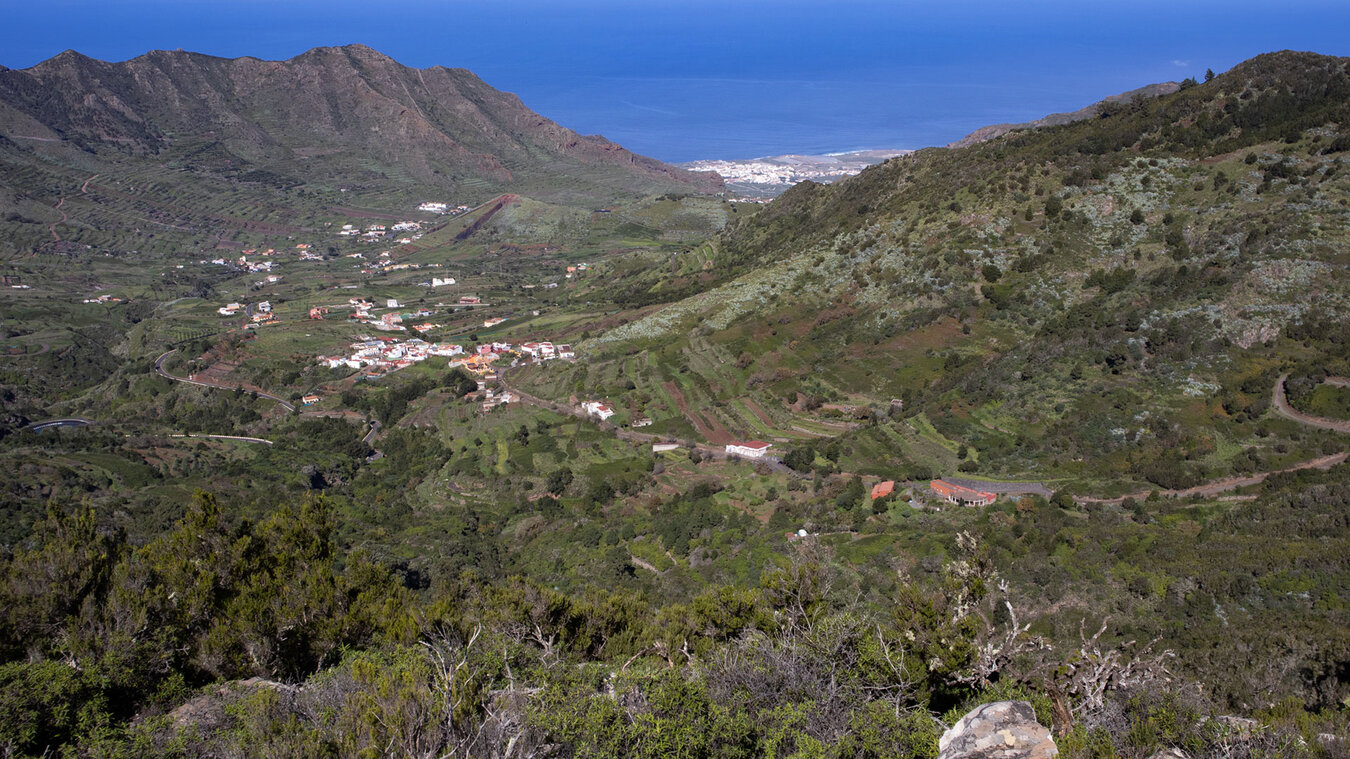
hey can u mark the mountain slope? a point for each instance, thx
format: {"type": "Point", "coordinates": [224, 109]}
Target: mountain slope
{"type": "Point", "coordinates": [1087, 300]}
{"type": "Point", "coordinates": [333, 119]}
{"type": "Point", "coordinates": [326, 101]}
{"type": "Point", "coordinates": [986, 133]}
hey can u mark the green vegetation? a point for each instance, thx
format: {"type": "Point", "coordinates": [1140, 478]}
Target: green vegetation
{"type": "Point", "coordinates": [823, 649]}
{"type": "Point", "coordinates": [1103, 296]}
{"type": "Point", "coordinates": [1098, 311]}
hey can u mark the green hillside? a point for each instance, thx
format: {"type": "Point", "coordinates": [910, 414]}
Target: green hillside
{"type": "Point", "coordinates": [1079, 302]}
{"type": "Point", "coordinates": [274, 513]}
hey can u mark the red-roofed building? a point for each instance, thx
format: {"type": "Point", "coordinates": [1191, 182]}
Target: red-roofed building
{"type": "Point", "coordinates": [962, 496]}
{"type": "Point", "coordinates": [883, 489]}
{"type": "Point", "coordinates": [754, 449]}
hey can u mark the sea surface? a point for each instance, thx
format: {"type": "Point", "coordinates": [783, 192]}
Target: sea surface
{"type": "Point", "coordinates": [690, 119]}
{"type": "Point", "coordinates": [683, 80]}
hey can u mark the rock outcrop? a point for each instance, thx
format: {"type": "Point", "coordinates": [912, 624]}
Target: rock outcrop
{"type": "Point", "coordinates": [1001, 730]}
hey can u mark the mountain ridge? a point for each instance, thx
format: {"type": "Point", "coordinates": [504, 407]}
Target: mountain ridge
{"type": "Point", "coordinates": [349, 98]}
{"type": "Point", "coordinates": [994, 131]}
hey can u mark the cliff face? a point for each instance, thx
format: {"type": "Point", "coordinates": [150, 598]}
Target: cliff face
{"type": "Point", "coordinates": [304, 116]}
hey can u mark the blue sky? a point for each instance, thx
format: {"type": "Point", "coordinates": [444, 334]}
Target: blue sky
{"type": "Point", "coordinates": [734, 78]}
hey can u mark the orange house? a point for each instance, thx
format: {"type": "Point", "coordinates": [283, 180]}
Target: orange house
{"type": "Point", "coordinates": [883, 489]}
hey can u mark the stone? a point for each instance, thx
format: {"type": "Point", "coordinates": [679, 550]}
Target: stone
{"type": "Point", "coordinates": [1171, 752]}
{"type": "Point", "coordinates": [1001, 730]}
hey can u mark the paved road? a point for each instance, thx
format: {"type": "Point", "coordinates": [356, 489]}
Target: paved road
{"type": "Point", "coordinates": [243, 438]}
{"type": "Point", "coordinates": [74, 421]}
{"type": "Point", "coordinates": [159, 369]}
{"type": "Point", "coordinates": [374, 430]}
{"type": "Point", "coordinates": [371, 433]}
{"type": "Point", "coordinates": [368, 439]}
{"type": "Point", "coordinates": [1283, 408]}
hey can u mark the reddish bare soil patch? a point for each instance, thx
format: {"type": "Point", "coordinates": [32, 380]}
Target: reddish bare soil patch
{"type": "Point", "coordinates": [483, 218]}
{"type": "Point", "coordinates": [677, 396]}
{"type": "Point", "coordinates": [717, 433]}
{"type": "Point", "coordinates": [221, 375]}
{"type": "Point", "coordinates": [937, 335]}
{"type": "Point", "coordinates": [833, 314]}
{"type": "Point", "coordinates": [758, 412]}
{"type": "Point", "coordinates": [700, 426]}
{"type": "Point", "coordinates": [714, 433]}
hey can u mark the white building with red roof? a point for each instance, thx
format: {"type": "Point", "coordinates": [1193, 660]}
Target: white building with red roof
{"type": "Point", "coordinates": [755, 449]}
{"type": "Point", "coordinates": [598, 408]}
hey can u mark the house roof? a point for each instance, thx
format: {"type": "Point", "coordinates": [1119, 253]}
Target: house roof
{"type": "Point", "coordinates": [882, 489]}
{"type": "Point", "coordinates": [755, 444]}
{"type": "Point", "coordinates": [947, 490]}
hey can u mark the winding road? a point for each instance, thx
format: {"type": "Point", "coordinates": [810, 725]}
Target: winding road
{"type": "Point", "coordinates": [84, 188]}
{"type": "Point", "coordinates": [242, 438]}
{"type": "Point", "coordinates": [161, 371]}
{"type": "Point", "coordinates": [1282, 407]}
{"type": "Point", "coordinates": [1212, 488]}
{"type": "Point", "coordinates": [368, 439]}
{"type": "Point", "coordinates": [52, 227]}
{"type": "Point", "coordinates": [72, 421]}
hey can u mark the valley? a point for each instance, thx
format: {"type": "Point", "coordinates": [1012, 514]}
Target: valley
{"type": "Point", "coordinates": [388, 388]}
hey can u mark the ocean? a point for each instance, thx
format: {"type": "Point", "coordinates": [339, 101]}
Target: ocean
{"type": "Point", "coordinates": [683, 80]}
{"type": "Point", "coordinates": [690, 119]}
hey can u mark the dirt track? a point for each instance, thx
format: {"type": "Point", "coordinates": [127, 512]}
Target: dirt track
{"type": "Point", "coordinates": [1229, 483]}
{"type": "Point", "coordinates": [1282, 407]}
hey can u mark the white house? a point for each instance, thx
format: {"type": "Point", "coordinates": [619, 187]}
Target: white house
{"type": "Point", "coordinates": [662, 447]}
{"type": "Point", "coordinates": [445, 349]}
{"type": "Point", "coordinates": [598, 408]}
{"type": "Point", "coordinates": [391, 303]}
{"type": "Point", "coordinates": [754, 449]}
{"type": "Point", "coordinates": [541, 350]}
{"type": "Point", "coordinates": [442, 281]}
